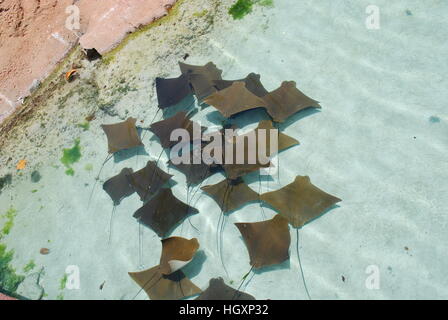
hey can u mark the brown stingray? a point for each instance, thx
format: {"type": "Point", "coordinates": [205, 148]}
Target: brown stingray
{"type": "Point", "coordinates": [235, 170]}
{"type": "Point", "coordinates": [300, 201]}
{"type": "Point", "coordinates": [287, 100]}
{"type": "Point", "coordinates": [163, 212]}
{"type": "Point", "coordinates": [201, 78]}
{"type": "Point", "coordinates": [195, 172]}
{"type": "Point", "coordinates": [172, 91]}
{"type": "Point", "coordinates": [252, 82]}
{"type": "Point", "coordinates": [149, 180]}
{"type": "Point", "coordinates": [284, 141]}
{"type": "Point", "coordinates": [118, 187]}
{"type": "Point", "coordinates": [176, 253]}
{"type": "Point", "coordinates": [218, 290]}
{"type": "Point", "coordinates": [231, 194]}
{"type": "Point", "coordinates": [234, 99]}
{"type": "Point", "coordinates": [122, 135]}
{"type": "Point", "coordinates": [165, 287]}
{"type": "Point", "coordinates": [163, 129]}
{"type": "Point", "coordinates": [267, 241]}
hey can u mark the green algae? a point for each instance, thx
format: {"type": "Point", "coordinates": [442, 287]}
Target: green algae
{"type": "Point", "coordinates": [85, 125]}
{"type": "Point", "coordinates": [9, 216]}
{"type": "Point", "coordinates": [88, 167]}
{"type": "Point", "coordinates": [29, 266]}
{"type": "Point", "coordinates": [63, 282]}
{"type": "Point", "coordinates": [241, 8]}
{"type": "Point", "coordinates": [9, 280]}
{"type": "Point", "coordinates": [70, 156]}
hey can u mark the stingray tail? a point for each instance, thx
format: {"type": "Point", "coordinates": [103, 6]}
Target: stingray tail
{"type": "Point", "coordinates": [109, 156]}
{"type": "Point", "coordinates": [110, 222]}
{"type": "Point", "coordinates": [300, 265]}
{"type": "Point", "coordinates": [238, 292]}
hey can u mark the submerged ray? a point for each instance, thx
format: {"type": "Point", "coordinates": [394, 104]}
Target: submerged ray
{"type": "Point", "coordinates": [122, 135]}
{"type": "Point", "coordinates": [196, 170]}
{"type": "Point", "coordinates": [218, 290]}
{"type": "Point", "coordinates": [164, 128]}
{"type": "Point", "coordinates": [165, 287]}
{"type": "Point", "coordinates": [118, 187]}
{"type": "Point", "coordinates": [231, 194]}
{"type": "Point", "coordinates": [172, 91]}
{"type": "Point", "coordinates": [287, 100]}
{"type": "Point", "coordinates": [163, 212]}
{"type": "Point", "coordinates": [300, 201]}
{"type": "Point", "coordinates": [234, 99]}
{"type": "Point", "coordinates": [176, 253]}
{"type": "Point", "coordinates": [267, 241]}
{"type": "Point", "coordinates": [201, 78]}
{"type": "Point", "coordinates": [148, 180]}
{"type": "Point", "coordinates": [283, 142]}
{"type": "Point", "coordinates": [252, 82]}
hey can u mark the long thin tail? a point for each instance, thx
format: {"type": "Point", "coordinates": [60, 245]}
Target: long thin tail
{"type": "Point", "coordinates": [237, 292]}
{"type": "Point", "coordinates": [300, 265]}
{"type": "Point", "coordinates": [109, 156]}
{"type": "Point", "coordinates": [110, 223]}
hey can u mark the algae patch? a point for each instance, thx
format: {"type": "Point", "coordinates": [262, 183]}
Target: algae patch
{"type": "Point", "coordinates": [9, 216]}
{"type": "Point", "coordinates": [85, 125]}
{"type": "Point", "coordinates": [29, 266]}
{"type": "Point", "coordinates": [63, 282]}
{"type": "Point", "coordinates": [70, 156]}
{"type": "Point", "coordinates": [241, 8]}
{"type": "Point", "coordinates": [9, 280]}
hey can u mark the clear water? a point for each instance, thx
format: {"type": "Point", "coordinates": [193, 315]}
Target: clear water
{"type": "Point", "coordinates": [379, 143]}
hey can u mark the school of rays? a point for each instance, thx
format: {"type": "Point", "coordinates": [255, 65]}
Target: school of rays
{"type": "Point", "coordinates": [267, 242]}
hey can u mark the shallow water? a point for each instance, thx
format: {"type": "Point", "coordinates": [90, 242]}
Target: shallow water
{"type": "Point", "coordinates": [379, 143]}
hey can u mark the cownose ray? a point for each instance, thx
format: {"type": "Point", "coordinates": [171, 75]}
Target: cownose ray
{"type": "Point", "coordinates": [195, 169]}
{"type": "Point", "coordinates": [165, 287]}
{"type": "Point", "coordinates": [218, 290]}
{"type": "Point", "coordinates": [163, 212]}
{"type": "Point", "coordinates": [118, 188]}
{"type": "Point", "coordinates": [148, 180]}
{"type": "Point", "coordinates": [172, 91]}
{"type": "Point", "coordinates": [163, 129]}
{"type": "Point", "coordinates": [267, 241]}
{"type": "Point", "coordinates": [286, 101]}
{"type": "Point", "coordinates": [283, 142]}
{"type": "Point", "coordinates": [201, 78]}
{"type": "Point", "coordinates": [260, 150]}
{"type": "Point", "coordinates": [120, 136]}
{"type": "Point", "coordinates": [252, 82]}
{"type": "Point", "coordinates": [167, 281]}
{"type": "Point", "coordinates": [176, 253]}
{"type": "Point", "coordinates": [195, 173]}
{"type": "Point", "coordinates": [234, 99]}
{"type": "Point", "coordinates": [300, 201]}
{"type": "Point", "coordinates": [230, 194]}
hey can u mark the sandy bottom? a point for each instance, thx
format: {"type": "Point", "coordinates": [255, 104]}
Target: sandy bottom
{"type": "Point", "coordinates": [379, 144]}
